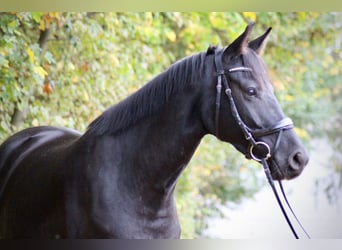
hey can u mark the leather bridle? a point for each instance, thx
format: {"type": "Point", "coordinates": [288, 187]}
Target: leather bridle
{"type": "Point", "coordinates": [251, 135]}
{"type": "Point", "coordinates": [258, 150]}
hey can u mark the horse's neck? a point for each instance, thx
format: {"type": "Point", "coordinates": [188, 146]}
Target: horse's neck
{"type": "Point", "coordinates": [148, 157]}
{"type": "Point", "coordinates": [162, 146]}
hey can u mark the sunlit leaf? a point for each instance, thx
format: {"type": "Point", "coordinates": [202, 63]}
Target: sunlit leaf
{"type": "Point", "coordinates": [37, 16]}
{"type": "Point", "coordinates": [30, 54]}
{"type": "Point", "coordinates": [251, 16]}
{"type": "Point", "coordinates": [171, 35]}
{"type": "Point", "coordinates": [40, 71]}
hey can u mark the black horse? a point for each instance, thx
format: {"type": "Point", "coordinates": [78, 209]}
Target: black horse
{"type": "Point", "coordinates": [117, 179]}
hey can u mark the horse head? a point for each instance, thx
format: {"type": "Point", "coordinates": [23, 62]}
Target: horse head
{"type": "Point", "coordinates": [246, 112]}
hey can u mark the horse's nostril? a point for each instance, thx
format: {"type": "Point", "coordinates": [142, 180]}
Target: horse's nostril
{"type": "Point", "coordinates": [297, 161]}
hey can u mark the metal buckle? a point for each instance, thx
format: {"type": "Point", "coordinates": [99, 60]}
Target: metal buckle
{"type": "Point", "coordinates": [262, 146]}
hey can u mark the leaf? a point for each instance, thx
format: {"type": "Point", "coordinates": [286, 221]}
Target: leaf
{"type": "Point", "coordinates": [36, 16]}
{"type": "Point", "coordinates": [49, 57]}
{"type": "Point", "coordinates": [12, 24]}
{"type": "Point", "coordinates": [40, 71]}
{"type": "Point", "coordinates": [302, 133]}
{"type": "Point", "coordinates": [30, 54]}
{"type": "Point", "coordinates": [47, 88]}
{"type": "Point", "coordinates": [288, 98]}
{"type": "Point", "coordinates": [250, 16]}
{"type": "Point", "coordinates": [217, 20]}
{"type": "Point", "coordinates": [171, 35]}
{"type": "Point", "coordinates": [42, 25]}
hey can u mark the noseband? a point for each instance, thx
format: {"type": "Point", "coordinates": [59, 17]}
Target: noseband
{"type": "Point", "coordinates": [258, 150]}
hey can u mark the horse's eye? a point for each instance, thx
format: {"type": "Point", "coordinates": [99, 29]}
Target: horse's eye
{"type": "Point", "coordinates": [251, 91]}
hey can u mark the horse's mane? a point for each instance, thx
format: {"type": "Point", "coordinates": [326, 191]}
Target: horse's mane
{"type": "Point", "coordinates": [150, 98]}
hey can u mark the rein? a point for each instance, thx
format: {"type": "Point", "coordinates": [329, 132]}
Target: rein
{"type": "Point", "coordinates": [258, 150]}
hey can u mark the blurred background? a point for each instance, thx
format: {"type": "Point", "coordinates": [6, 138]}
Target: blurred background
{"type": "Point", "coordinates": [65, 69]}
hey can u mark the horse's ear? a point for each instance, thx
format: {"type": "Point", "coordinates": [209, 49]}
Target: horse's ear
{"type": "Point", "coordinates": [259, 43]}
{"type": "Point", "coordinates": [240, 44]}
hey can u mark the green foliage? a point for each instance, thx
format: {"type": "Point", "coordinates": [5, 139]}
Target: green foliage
{"type": "Point", "coordinates": [64, 69]}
